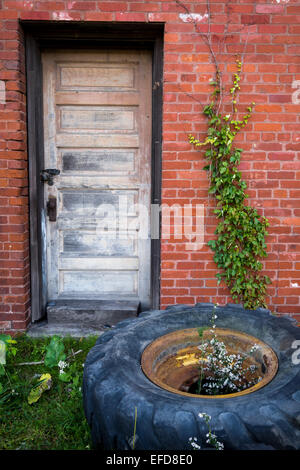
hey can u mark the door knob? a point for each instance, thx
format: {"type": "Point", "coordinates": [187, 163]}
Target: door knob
{"type": "Point", "coordinates": [48, 175]}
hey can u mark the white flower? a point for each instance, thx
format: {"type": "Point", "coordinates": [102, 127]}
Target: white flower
{"type": "Point", "coordinates": [62, 365]}
{"type": "Point", "coordinates": [193, 442]}
{"type": "Point", "coordinates": [195, 446]}
{"type": "Point", "coordinates": [255, 347]}
{"type": "Point", "coordinates": [204, 415]}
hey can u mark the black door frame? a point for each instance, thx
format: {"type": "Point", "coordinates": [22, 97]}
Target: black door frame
{"type": "Point", "coordinates": [44, 35]}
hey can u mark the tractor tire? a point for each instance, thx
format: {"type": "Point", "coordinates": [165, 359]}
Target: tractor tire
{"type": "Point", "coordinates": [114, 386]}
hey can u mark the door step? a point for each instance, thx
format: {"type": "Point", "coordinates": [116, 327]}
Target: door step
{"type": "Point", "coordinates": [43, 329]}
{"type": "Point", "coordinates": [91, 313]}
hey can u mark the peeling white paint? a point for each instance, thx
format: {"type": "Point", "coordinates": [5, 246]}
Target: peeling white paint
{"type": "Point", "coordinates": [282, 1]}
{"type": "Point", "coordinates": [28, 4]}
{"type": "Point", "coordinates": [295, 284]}
{"type": "Point", "coordinates": [61, 15]}
{"type": "Point", "coordinates": [188, 18]}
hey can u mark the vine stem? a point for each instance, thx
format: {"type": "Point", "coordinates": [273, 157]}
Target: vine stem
{"type": "Point", "coordinates": [242, 62]}
{"type": "Point", "coordinates": [207, 40]}
{"type": "Point", "coordinates": [134, 430]}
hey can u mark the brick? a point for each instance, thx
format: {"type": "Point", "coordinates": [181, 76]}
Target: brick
{"type": "Point", "coordinates": [265, 48]}
{"type": "Point", "coordinates": [171, 37]}
{"type": "Point", "coordinates": [35, 15]}
{"type": "Point", "coordinates": [86, 5]}
{"type": "Point", "coordinates": [18, 5]}
{"type": "Point", "coordinates": [271, 28]}
{"type": "Point", "coordinates": [284, 156]}
{"type": "Point", "coordinates": [112, 6]}
{"type": "Point", "coordinates": [5, 325]}
{"type": "Point", "coordinates": [97, 16]}
{"type": "Point", "coordinates": [294, 29]}
{"type": "Point", "coordinates": [20, 325]}
{"type": "Point", "coordinates": [147, 7]}
{"type": "Point", "coordinates": [293, 10]}
{"type": "Point", "coordinates": [280, 98]}
{"type": "Point", "coordinates": [255, 19]}
{"type": "Point", "coordinates": [289, 39]}
{"type": "Point", "coordinates": [175, 291]}
{"type": "Point", "coordinates": [267, 126]}
{"type": "Point", "coordinates": [50, 6]}
{"type": "Point", "coordinates": [272, 68]}
{"type": "Point", "coordinates": [260, 8]}
{"type": "Point", "coordinates": [241, 8]}
{"type": "Point", "coordinates": [185, 300]}
{"type": "Point", "coordinates": [140, 17]}
{"type": "Point", "coordinates": [285, 19]}
{"type": "Point", "coordinates": [165, 17]}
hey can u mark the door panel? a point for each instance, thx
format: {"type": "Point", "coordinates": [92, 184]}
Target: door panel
{"type": "Point", "coordinates": [97, 126]}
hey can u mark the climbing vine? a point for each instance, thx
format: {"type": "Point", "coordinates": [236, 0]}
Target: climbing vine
{"type": "Point", "coordinates": [241, 231]}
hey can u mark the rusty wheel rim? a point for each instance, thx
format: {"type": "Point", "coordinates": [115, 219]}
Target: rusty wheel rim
{"type": "Point", "coordinates": [171, 360]}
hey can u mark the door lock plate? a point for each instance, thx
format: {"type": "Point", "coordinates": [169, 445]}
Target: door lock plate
{"type": "Point", "coordinates": [52, 208]}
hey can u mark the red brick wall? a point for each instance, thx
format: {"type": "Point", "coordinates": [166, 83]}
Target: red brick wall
{"type": "Point", "coordinates": [271, 141]}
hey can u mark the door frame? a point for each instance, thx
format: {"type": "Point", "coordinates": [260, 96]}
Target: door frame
{"type": "Point", "coordinates": [43, 35]}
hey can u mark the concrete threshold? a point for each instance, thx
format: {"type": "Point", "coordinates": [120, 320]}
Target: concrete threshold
{"type": "Point", "coordinates": [42, 329]}
{"type": "Point", "coordinates": [79, 318]}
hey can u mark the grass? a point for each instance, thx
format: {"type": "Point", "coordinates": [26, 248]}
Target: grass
{"type": "Point", "coordinates": [56, 421]}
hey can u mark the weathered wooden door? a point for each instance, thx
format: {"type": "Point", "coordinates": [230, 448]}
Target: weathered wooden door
{"type": "Point", "coordinates": [97, 128]}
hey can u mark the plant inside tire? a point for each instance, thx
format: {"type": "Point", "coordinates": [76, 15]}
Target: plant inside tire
{"type": "Point", "coordinates": [115, 384]}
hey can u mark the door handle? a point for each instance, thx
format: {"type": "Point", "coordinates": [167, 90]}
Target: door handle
{"type": "Point", "coordinates": [52, 208]}
{"type": "Point", "coordinates": [48, 175]}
